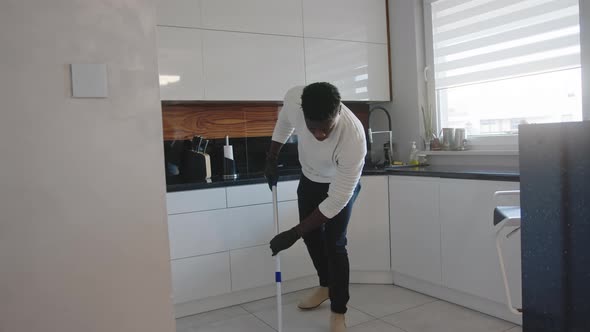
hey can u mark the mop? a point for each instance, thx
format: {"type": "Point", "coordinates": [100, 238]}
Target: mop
{"type": "Point", "coordinates": [278, 262]}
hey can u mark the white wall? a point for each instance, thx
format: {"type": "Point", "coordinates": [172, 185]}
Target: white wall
{"type": "Point", "coordinates": [83, 236]}
{"type": "Point", "coordinates": [585, 43]}
{"type": "Point", "coordinates": [407, 63]}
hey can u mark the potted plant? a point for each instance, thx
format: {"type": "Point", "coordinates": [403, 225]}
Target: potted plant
{"type": "Point", "coordinates": [431, 141]}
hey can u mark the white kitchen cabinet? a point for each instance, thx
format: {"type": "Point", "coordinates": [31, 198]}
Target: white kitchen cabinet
{"type": "Point", "coordinates": [244, 66]}
{"type": "Point", "coordinates": [359, 70]}
{"type": "Point", "coordinates": [469, 259]}
{"type": "Point", "coordinates": [199, 277]}
{"type": "Point", "coordinates": [295, 261]}
{"type": "Point", "coordinates": [368, 230]}
{"type": "Point", "coordinates": [282, 17]}
{"type": "Point", "coordinates": [260, 193]}
{"type": "Point", "coordinates": [353, 20]}
{"type": "Point", "coordinates": [179, 13]}
{"type": "Point", "coordinates": [252, 267]}
{"type": "Point", "coordinates": [195, 200]}
{"type": "Point", "coordinates": [180, 63]}
{"type": "Point", "coordinates": [206, 232]}
{"type": "Point", "coordinates": [287, 190]}
{"type": "Point", "coordinates": [248, 195]}
{"type": "Point", "coordinates": [415, 227]}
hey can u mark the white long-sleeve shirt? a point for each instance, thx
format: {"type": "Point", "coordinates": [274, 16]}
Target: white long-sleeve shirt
{"type": "Point", "coordinates": [337, 160]}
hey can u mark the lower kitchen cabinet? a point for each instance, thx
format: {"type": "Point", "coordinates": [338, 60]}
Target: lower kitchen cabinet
{"type": "Point", "coordinates": [469, 258]}
{"type": "Point", "coordinates": [442, 232]}
{"type": "Point", "coordinates": [200, 277]}
{"type": "Point", "coordinates": [248, 195]}
{"type": "Point", "coordinates": [368, 230]}
{"type": "Point", "coordinates": [206, 232]}
{"type": "Point", "coordinates": [287, 190]}
{"type": "Point", "coordinates": [415, 227]}
{"type": "Point", "coordinates": [295, 261]}
{"type": "Point", "coordinates": [251, 267]}
{"type": "Point", "coordinates": [438, 231]}
{"type": "Point", "coordinates": [259, 193]}
{"type": "Point", "coordinates": [196, 200]}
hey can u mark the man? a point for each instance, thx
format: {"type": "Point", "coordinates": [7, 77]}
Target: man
{"type": "Point", "coordinates": [332, 148]}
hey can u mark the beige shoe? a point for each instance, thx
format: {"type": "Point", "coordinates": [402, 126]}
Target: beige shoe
{"type": "Point", "coordinates": [337, 323]}
{"type": "Point", "coordinates": [317, 297]}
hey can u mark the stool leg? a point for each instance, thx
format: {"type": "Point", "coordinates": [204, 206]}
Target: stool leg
{"type": "Point", "coordinates": [504, 277]}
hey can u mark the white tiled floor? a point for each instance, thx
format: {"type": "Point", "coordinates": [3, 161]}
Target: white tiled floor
{"type": "Point", "coordinates": [516, 329]}
{"type": "Point", "coordinates": [442, 316]}
{"type": "Point", "coordinates": [372, 308]}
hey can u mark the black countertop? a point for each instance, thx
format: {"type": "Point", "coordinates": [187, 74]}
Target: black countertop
{"type": "Point", "coordinates": [450, 172]}
{"type": "Point", "coordinates": [243, 179]}
{"type": "Point", "coordinates": [495, 173]}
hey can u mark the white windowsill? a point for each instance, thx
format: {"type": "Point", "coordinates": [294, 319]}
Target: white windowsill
{"type": "Point", "coordinates": [471, 153]}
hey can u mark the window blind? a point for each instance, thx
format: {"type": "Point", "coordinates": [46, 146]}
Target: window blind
{"type": "Point", "coordinates": [484, 40]}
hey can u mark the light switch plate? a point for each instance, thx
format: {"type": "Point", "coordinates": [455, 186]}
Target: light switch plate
{"type": "Point", "coordinates": [89, 80]}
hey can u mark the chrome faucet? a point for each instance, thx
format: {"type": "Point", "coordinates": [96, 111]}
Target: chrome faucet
{"type": "Point", "coordinates": [371, 132]}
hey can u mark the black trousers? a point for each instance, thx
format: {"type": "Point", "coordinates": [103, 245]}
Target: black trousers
{"type": "Point", "coordinates": [327, 244]}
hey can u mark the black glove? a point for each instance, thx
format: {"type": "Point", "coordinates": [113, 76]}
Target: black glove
{"type": "Point", "coordinates": [284, 240]}
{"type": "Point", "coordinates": [270, 170]}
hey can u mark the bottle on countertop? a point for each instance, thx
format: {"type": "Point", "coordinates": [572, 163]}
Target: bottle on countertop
{"type": "Point", "coordinates": [414, 155]}
{"type": "Point", "coordinates": [229, 164]}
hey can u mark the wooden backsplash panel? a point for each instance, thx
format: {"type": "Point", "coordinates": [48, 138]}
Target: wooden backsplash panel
{"type": "Point", "coordinates": [235, 119]}
{"type": "Point", "coordinates": [361, 111]}
{"type": "Point", "coordinates": [212, 121]}
{"type": "Point", "coordinates": [260, 121]}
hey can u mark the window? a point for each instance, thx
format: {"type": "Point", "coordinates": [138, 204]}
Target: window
{"type": "Point", "coordinates": [496, 64]}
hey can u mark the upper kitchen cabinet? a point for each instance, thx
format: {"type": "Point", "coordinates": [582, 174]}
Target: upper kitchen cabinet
{"type": "Point", "coordinates": [257, 50]}
{"type": "Point", "coordinates": [281, 17]}
{"type": "Point", "coordinates": [359, 70]}
{"type": "Point", "coordinates": [353, 20]}
{"type": "Point", "coordinates": [244, 66]}
{"type": "Point", "coordinates": [180, 64]}
{"type": "Point", "coordinates": [179, 13]}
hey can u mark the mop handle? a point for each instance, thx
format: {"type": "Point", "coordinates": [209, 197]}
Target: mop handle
{"type": "Point", "coordinates": [278, 278]}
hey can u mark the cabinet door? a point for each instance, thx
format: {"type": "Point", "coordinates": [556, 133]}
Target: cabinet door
{"type": "Point", "coordinates": [199, 277]}
{"type": "Point", "coordinates": [469, 259]}
{"type": "Point", "coordinates": [195, 200]}
{"type": "Point", "coordinates": [180, 63]}
{"type": "Point", "coordinates": [359, 70]}
{"type": "Point", "coordinates": [262, 16]}
{"type": "Point", "coordinates": [415, 227]}
{"type": "Point", "coordinates": [287, 190]}
{"type": "Point", "coordinates": [200, 233]}
{"type": "Point", "coordinates": [260, 194]}
{"type": "Point", "coordinates": [179, 13]}
{"type": "Point", "coordinates": [295, 261]}
{"type": "Point", "coordinates": [353, 20]}
{"type": "Point", "coordinates": [243, 66]}
{"type": "Point", "coordinates": [248, 195]}
{"type": "Point", "coordinates": [252, 267]}
{"type": "Point", "coordinates": [368, 230]}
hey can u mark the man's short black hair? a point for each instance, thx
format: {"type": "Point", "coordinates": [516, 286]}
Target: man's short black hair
{"type": "Point", "coordinates": [320, 101]}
